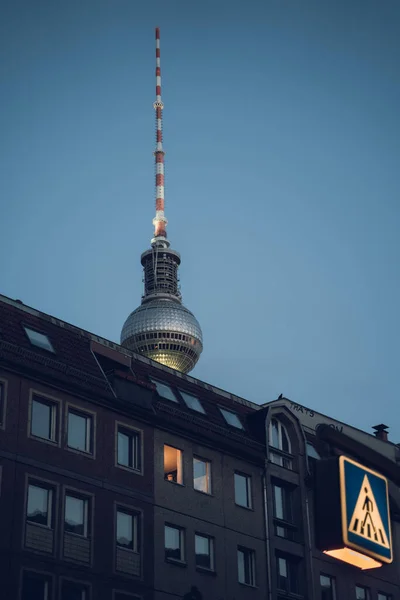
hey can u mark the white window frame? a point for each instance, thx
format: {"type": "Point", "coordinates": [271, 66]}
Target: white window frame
{"type": "Point", "coordinates": [181, 543]}
{"type": "Point", "coordinates": [86, 515]}
{"type": "Point", "coordinates": [210, 541]}
{"type": "Point", "coordinates": [206, 462]}
{"type": "Point", "coordinates": [135, 524]}
{"type": "Point", "coordinates": [281, 427]}
{"type": "Point", "coordinates": [89, 446]}
{"type": "Point", "coordinates": [250, 554]}
{"type": "Point", "coordinates": [50, 499]}
{"type": "Point", "coordinates": [54, 407]}
{"type": "Point", "coordinates": [248, 489]}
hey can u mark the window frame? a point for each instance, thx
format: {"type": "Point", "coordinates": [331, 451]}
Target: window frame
{"type": "Point", "coordinates": [185, 397]}
{"type": "Point", "coordinates": [182, 544]}
{"type": "Point", "coordinates": [51, 501]}
{"type": "Point", "coordinates": [136, 520]}
{"type": "Point", "coordinates": [332, 580]}
{"type": "Point", "coordinates": [224, 410]}
{"type": "Point", "coordinates": [87, 587]}
{"type": "Point", "coordinates": [181, 466]}
{"type": "Point", "coordinates": [88, 512]}
{"type": "Point", "coordinates": [292, 564]}
{"type": "Point", "coordinates": [130, 431]}
{"type": "Point", "coordinates": [156, 381]}
{"type": "Point", "coordinates": [249, 494]}
{"type": "Point", "coordinates": [50, 347]}
{"type": "Point", "coordinates": [3, 402]}
{"type": "Point", "coordinates": [384, 596]}
{"type": "Point", "coordinates": [211, 553]}
{"type": "Point", "coordinates": [208, 475]}
{"type": "Point", "coordinates": [250, 553]}
{"type": "Point", "coordinates": [366, 589]}
{"type": "Point", "coordinates": [87, 414]}
{"type": "Point", "coordinates": [49, 577]}
{"type": "Point", "coordinates": [55, 406]}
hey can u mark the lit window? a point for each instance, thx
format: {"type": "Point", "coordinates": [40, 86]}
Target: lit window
{"type": "Point", "coordinates": [204, 548]}
{"type": "Point", "coordinates": [127, 530]}
{"type": "Point", "coordinates": [231, 418]}
{"type": "Point", "coordinates": [44, 419]}
{"type": "Point", "coordinates": [202, 475]}
{"type": "Point", "coordinates": [174, 543]}
{"type": "Point", "coordinates": [283, 510]}
{"type": "Point", "coordinates": [192, 402]}
{"type": "Point", "coordinates": [40, 505]}
{"type": "Point", "coordinates": [173, 465]}
{"type": "Point", "coordinates": [164, 390]}
{"type": "Point", "coordinates": [128, 448]}
{"type": "Point", "coordinates": [35, 586]}
{"type": "Point", "coordinates": [72, 590]}
{"type": "Point", "coordinates": [362, 593]}
{"type": "Point", "coordinates": [39, 339]}
{"type": "Point", "coordinates": [287, 574]}
{"type": "Point", "coordinates": [76, 515]}
{"type": "Point", "coordinates": [246, 566]}
{"type": "Point", "coordinates": [328, 588]}
{"type": "Point", "coordinates": [79, 431]}
{"type": "Point", "coordinates": [243, 490]}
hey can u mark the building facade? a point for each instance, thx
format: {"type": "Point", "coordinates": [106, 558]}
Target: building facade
{"type": "Point", "coordinates": [122, 478]}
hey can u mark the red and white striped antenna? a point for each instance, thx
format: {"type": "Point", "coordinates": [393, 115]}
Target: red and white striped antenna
{"type": "Point", "coordinates": [159, 221]}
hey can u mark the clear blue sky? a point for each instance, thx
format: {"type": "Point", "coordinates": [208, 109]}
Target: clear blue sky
{"type": "Point", "coordinates": [282, 135]}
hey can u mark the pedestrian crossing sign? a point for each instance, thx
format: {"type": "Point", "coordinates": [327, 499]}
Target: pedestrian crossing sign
{"type": "Point", "coordinates": [365, 510]}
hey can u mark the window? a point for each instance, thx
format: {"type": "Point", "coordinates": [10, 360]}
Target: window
{"type": "Point", "coordinates": [174, 544]}
{"type": "Point", "coordinates": [287, 574]}
{"type": "Point", "coordinates": [76, 515]}
{"type": "Point", "coordinates": [192, 402]}
{"type": "Point", "coordinates": [279, 440]}
{"type": "Point", "coordinates": [231, 418]}
{"type": "Point", "coordinates": [362, 593]}
{"type": "Point", "coordinates": [243, 490]}
{"type": "Point", "coordinates": [72, 590]}
{"type": "Point", "coordinates": [202, 475]}
{"type": "Point", "coordinates": [2, 404]}
{"type": "Point", "coordinates": [39, 508]}
{"type": "Point", "coordinates": [173, 465]}
{"type": "Point", "coordinates": [44, 419]}
{"type": "Point", "coordinates": [204, 548]}
{"type": "Point", "coordinates": [79, 431]}
{"type": "Point", "coordinates": [246, 566]}
{"type": "Point", "coordinates": [283, 510]}
{"type": "Point", "coordinates": [127, 530]}
{"type": "Point", "coordinates": [128, 450]}
{"type": "Point", "coordinates": [312, 452]}
{"type": "Point", "coordinates": [35, 586]}
{"type": "Point", "coordinates": [328, 588]}
{"type": "Point", "coordinates": [164, 390]}
{"type": "Point", "coordinates": [382, 596]}
{"type": "Point", "coordinates": [39, 339]}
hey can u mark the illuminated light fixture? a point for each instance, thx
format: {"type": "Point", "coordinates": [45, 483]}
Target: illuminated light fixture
{"type": "Point", "coordinates": [352, 513]}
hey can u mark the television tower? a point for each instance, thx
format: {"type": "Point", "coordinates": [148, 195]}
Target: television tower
{"type": "Point", "coordinates": [161, 328]}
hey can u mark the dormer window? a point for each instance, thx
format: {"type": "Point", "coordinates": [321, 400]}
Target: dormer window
{"type": "Point", "coordinates": [38, 339]}
{"type": "Point", "coordinates": [279, 440]}
{"type": "Point", "coordinates": [192, 402]}
{"type": "Point", "coordinates": [231, 418]}
{"type": "Point", "coordinates": [164, 390]}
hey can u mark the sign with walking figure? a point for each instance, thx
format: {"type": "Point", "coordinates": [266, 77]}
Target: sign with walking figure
{"type": "Point", "coordinates": [365, 510]}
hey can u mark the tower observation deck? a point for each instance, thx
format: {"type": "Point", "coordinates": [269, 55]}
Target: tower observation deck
{"type": "Point", "coordinates": [161, 328]}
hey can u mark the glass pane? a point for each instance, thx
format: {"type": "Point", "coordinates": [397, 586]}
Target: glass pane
{"type": "Point", "coordinates": [164, 390]}
{"type": "Point", "coordinates": [192, 402]}
{"type": "Point", "coordinates": [279, 510]}
{"type": "Point", "coordinates": [241, 490]}
{"type": "Point", "coordinates": [78, 432]}
{"type": "Point", "coordinates": [285, 440]}
{"type": "Point", "coordinates": [38, 505]}
{"type": "Point", "coordinates": [361, 593]}
{"type": "Point", "coordinates": [173, 543]}
{"type": "Point", "coordinates": [38, 339]}
{"type": "Point", "coordinates": [311, 452]}
{"type": "Point", "coordinates": [231, 418]}
{"type": "Point", "coordinates": [173, 464]}
{"type": "Point", "coordinates": [73, 591]}
{"type": "Point", "coordinates": [41, 425]}
{"type": "Point", "coordinates": [124, 450]}
{"type": "Point", "coordinates": [75, 509]}
{"type": "Point", "coordinates": [124, 530]}
{"type": "Point", "coordinates": [203, 552]}
{"type": "Point", "coordinates": [274, 434]}
{"type": "Point", "coordinates": [282, 567]}
{"type": "Point", "coordinates": [34, 587]}
{"type": "Point", "coordinates": [241, 566]}
{"type": "Point", "coordinates": [201, 478]}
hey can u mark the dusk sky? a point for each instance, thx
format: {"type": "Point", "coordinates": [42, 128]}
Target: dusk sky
{"type": "Point", "coordinates": [282, 140]}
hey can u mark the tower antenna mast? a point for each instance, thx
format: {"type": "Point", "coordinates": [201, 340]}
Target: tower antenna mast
{"type": "Point", "coordinates": [159, 221]}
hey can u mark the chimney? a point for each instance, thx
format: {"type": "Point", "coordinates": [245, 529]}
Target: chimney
{"type": "Point", "coordinates": [381, 432]}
